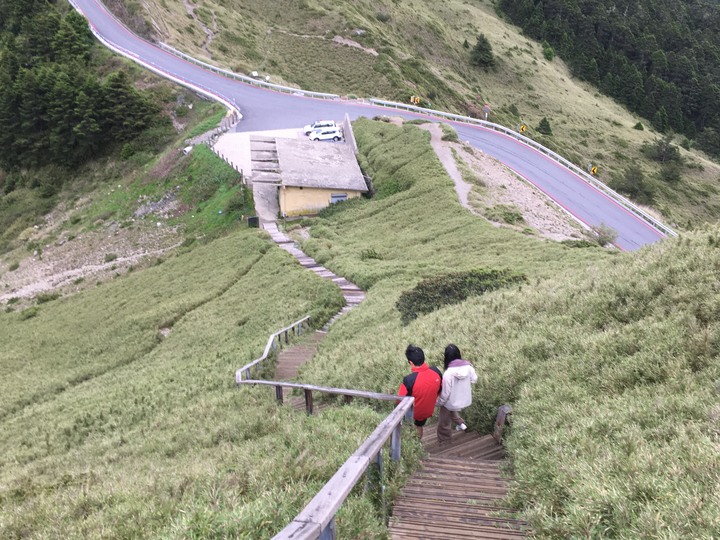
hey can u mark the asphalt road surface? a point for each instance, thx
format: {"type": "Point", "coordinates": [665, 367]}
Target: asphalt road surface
{"type": "Point", "coordinates": [267, 109]}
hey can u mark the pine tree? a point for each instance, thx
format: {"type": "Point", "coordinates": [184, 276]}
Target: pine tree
{"type": "Point", "coordinates": [482, 54]}
{"type": "Point", "coordinates": [544, 127]}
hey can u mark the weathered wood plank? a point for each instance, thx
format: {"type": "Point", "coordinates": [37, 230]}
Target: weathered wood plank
{"type": "Point", "coordinates": [327, 389]}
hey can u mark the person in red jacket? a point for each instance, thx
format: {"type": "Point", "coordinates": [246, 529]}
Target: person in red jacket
{"type": "Point", "coordinates": [424, 384]}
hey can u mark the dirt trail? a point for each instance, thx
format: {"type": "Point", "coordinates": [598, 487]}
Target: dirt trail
{"type": "Point", "coordinates": [495, 186]}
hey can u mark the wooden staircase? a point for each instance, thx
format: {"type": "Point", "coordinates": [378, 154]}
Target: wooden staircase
{"type": "Point", "coordinates": [289, 362]}
{"type": "Point", "coordinates": [457, 494]}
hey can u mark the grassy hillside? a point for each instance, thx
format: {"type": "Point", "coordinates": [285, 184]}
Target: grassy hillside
{"type": "Point", "coordinates": [611, 363]}
{"type": "Point", "coordinates": [610, 359]}
{"type": "Point", "coordinates": [109, 426]}
{"type": "Point", "coordinates": [420, 51]}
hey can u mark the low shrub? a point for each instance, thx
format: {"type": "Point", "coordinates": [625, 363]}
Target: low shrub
{"type": "Point", "coordinates": [505, 213]}
{"type": "Point", "coordinates": [42, 298]}
{"type": "Point", "coordinates": [13, 266]}
{"type": "Point", "coordinates": [29, 313]}
{"type": "Point", "coordinates": [605, 235]}
{"type": "Point", "coordinates": [110, 257]}
{"type": "Point", "coordinates": [366, 254]}
{"type": "Point", "coordinates": [579, 243]}
{"type": "Point", "coordinates": [449, 133]}
{"type": "Point", "coordinates": [436, 292]}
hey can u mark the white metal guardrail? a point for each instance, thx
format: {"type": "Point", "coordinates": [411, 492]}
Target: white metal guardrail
{"type": "Point", "coordinates": [244, 78]}
{"type": "Point", "coordinates": [629, 205]}
{"type": "Point", "coordinates": [212, 94]}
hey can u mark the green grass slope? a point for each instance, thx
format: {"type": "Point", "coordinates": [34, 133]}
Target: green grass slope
{"type": "Point", "coordinates": [108, 428]}
{"type": "Point", "coordinates": [611, 363]}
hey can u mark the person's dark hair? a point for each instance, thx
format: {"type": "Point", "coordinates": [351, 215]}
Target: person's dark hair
{"type": "Point", "coordinates": [451, 353]}
{"type": "Point", "coordinates": [415, 355]}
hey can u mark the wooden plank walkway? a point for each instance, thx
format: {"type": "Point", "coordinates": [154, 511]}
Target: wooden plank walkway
{"type": "Point", "coordinates": [457, 494]}
{"type": "Point", "coordinates": [289, 361]}
{"type": "Point", "coordinates": [352, 293]}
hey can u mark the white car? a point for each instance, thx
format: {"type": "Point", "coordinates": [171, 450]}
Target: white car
{"type": "Point", "coordinates": [320, 124]}
{"type": "Point", "coordinates": [327, 134]}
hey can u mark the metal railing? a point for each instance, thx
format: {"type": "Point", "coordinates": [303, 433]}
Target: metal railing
{"type": "Point", "coordinates": [274, 341]}
{"type": "Point", "coordinates": [244, 78]}
{"type": "Point", "coordinates": [629, 205]}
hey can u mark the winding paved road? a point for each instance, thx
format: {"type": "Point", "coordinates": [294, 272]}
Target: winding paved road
{"type": "Point", "coordinates": [264, 109]}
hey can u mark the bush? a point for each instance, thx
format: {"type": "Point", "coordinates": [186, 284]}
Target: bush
{"type": "Point", "coordinates": [449, 133]}
{"type": "Point", "coordinates": [605, 235]}
{"type": "Point", "coordinates": [236, 203]}
{"type": "Point", "coordinates": [670, 173]}
{"type": "Point", "coordinates": [505, 213]}
{"type": "Point", "coordinates": [544, 127]}
{"type": "Point", "coordinates": [548, 51]}
{"type": "Point", "coordinates": [29, 313]}
{"type": "Point", "coordinates": [579, 244]}
{"type": "Point", "coordinates": [42, 298]}
{"type": "Point", "coordinates": [434, 293]}
{"type": "Point", "coordinates": [110, 257]}
{"type": "Point", "coordinates": [366, 254]}
{"type": "Point", "coordinates": [13, 266]}
{"type": "Point", "coordinates": [633, 183]}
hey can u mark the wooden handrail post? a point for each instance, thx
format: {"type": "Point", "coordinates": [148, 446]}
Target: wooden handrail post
{"type": "Point", "coordinates": [279, 393]}
{"type": "Point", "coordinates": [308, 401]}
{"type": "Point", "coordinates": [503, 417]}
{"type": "Point", "coordinates": [287, 338]}
{"type": "Point", "coordinates": [395, 443]}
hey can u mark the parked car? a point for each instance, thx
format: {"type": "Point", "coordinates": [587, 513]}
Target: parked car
{"type": "Point", "coordinates": [327, 134]}
{"type": "Point", "coordinates": [320, 124]}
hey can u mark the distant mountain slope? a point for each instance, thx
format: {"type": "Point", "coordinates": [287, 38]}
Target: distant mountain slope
{"type": "Point", "coordinates": [661, 58]}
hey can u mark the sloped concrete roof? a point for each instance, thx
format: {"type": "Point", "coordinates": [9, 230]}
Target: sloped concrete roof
{"type": "Point", "coordinates": [316, 164]}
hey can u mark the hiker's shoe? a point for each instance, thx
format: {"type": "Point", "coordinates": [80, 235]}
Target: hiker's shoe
{"type": "Point", "coordinates": [461, 427]}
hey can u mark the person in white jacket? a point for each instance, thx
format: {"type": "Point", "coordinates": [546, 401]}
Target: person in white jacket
{"type": "Point", "coordinates": [456, 393]}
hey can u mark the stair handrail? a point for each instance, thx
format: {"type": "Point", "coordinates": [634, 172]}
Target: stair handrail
{"type": "Point", "coordinates": [295, 328]}
{"type": "Point", "coordinates": [317, 519]}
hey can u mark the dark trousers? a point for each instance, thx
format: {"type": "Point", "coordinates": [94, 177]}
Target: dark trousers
{"type": "Point", "coordinates": [445, 420]}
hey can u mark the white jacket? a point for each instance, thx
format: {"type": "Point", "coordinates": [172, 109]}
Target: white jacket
{"type": "Point", "coordinates": [456, 392]}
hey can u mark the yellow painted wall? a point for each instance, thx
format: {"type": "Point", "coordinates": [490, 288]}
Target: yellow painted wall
{"type": "Point", "coordinates": [297, 202]}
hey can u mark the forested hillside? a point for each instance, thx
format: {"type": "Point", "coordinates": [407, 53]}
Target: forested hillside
{"type": "Point", "coordinates": [660, 58]}
{"type": "Point", "coordinates": [57, 105]}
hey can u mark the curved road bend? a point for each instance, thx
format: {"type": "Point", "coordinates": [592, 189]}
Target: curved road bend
{"type": "Point", "coordinates": [266, 109]}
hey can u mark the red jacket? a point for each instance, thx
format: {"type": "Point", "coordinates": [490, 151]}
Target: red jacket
{"type": "Point", "coordinates": [424, 384]}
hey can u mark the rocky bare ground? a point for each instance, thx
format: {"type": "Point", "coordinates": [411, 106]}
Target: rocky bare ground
{"type": "Point", "coordinates": [496, 185]}
{"type": "Point", "coordinates": [67, 262]}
